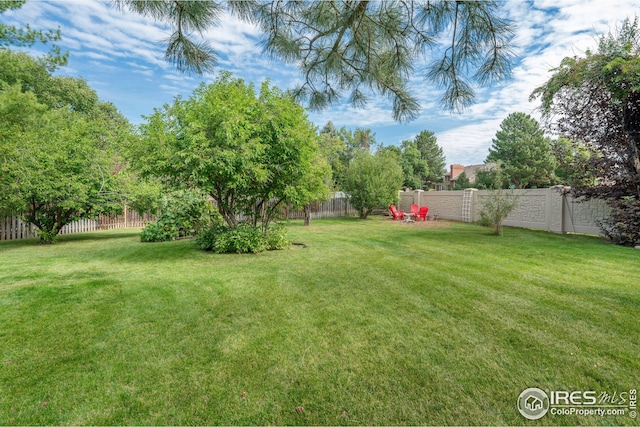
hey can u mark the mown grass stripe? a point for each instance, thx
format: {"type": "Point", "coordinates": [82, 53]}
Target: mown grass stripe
{"type": "Point", "coordinates": [374, 322]}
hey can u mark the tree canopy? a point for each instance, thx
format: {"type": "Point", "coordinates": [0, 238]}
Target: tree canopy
{"type": "Point", "coordinates": [253, 154]}
{"type": "Point", "coordinates": [414, 167]}
{"type": "Point", "coordinates": [373, 181]}
{"type": "Point", "coordinates": [594, 102]}
{"type": "Point", "coordinates": [523, 151]}
{"type": "Point", "coordinates": [355, 48]}
{"type": "Point", "coordinates": [59, 158]}
{"type": "Point", "coordinates": [341, 146]}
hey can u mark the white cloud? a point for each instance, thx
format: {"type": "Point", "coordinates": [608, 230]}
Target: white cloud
{"type": "Point", "coordinates": [469, 144]}
{"type": "Point", "coordinates": [148, 73]}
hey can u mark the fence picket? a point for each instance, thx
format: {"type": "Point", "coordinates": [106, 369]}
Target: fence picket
{"type": "Point", "coordinates": [337, 206]}
{"type": "Point", "coordinates": [12, 228]}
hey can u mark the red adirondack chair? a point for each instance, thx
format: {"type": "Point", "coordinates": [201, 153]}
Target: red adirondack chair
{"type": "Point", "coordinates": [396, 213]}
{"type": "Point", "coordinates": [414, 209]}
{"type": "Point", "coordinates": [422, 214]}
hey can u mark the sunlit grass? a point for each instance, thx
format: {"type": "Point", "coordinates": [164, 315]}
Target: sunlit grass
{"type": "Point", "coordinates": [374, 322]}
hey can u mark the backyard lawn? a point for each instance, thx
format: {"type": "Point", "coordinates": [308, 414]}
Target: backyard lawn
{"type": "Point", "coordinates": [373, 323]}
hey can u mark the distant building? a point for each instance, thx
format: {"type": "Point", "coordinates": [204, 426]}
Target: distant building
{"type": "Point", "coordinates": [449, 179]}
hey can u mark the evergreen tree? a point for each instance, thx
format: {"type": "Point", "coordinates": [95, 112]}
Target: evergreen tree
{"type": "Point", "coordinates": [10, 35]}
{"type": "Point", "coordinates": [433, 155]}
{"type": "Point", "coordinates": [524, 152]}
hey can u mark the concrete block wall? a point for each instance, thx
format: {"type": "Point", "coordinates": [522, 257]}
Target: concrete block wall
{"type": "Point", "coordinates": [534, 208]}
{"type": "Point", "coordinates": [445, 204]}
{"type": "Point", "coordinates": [582, 217]}
{"type": "Point", "coordinates": [546, 208]}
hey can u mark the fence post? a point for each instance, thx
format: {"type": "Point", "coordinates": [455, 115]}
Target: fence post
{"type": "Point", "coordinates": [556, 211]}
{"type": "Point", "coordinates": [468, 204]}
{"type": "Point", "coordinates": [417, 197]}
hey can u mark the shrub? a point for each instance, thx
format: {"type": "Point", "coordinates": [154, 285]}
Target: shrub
{"type": "Point", "coordinates": [373, 181]}
{"type": "Point", "coordinates": [47, 236]}
{"type": "Point", "coordinates": [245, 238]}
{"type": "Point", "coordinates": [496, 208]}
{"type": "Point", "coordinates": [181, 213]}
{"type": "Point", "coordinates": [277, 238]}
{"type": "Point", "coordinates": [623, 225]}
{"type": "Point", "coordinates": [157, 232]}
{"type": "Point", "coordinates": [207, 234]}
{"type": "Point", "coordinates": [498, 205]}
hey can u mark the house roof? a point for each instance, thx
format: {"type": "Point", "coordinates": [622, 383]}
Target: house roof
{"type": "Point", "coordinates": [472, 170]}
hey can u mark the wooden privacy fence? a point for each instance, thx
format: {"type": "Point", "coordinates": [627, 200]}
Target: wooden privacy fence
{"type": "Point", "coordinates": [13, 228]}
{"type": "Point", "coordinates": [129, 219]}
{"type": "Point", "coordinates": [336, 206]}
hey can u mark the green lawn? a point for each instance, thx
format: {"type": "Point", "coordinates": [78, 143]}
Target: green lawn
{"type": "Point", "coordinates": [374, 322]}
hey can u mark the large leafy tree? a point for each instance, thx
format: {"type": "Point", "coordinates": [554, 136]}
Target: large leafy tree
{"type": "Point", "coordinates": [333, 147]}
{"type": "Point", "coordinates": [32, 75]}
{"type": "Point", "coordinates": [341, 146]}
{"type": "Point", "coordinates": [252, 153]}
{"type": "Point", "coordinates": [523, 151]}
{"type": "Point", "coordinates": [373, 180]}
{"type": "Point", "coordinates": [355, 48]}
{"type": "Point", "coordinates": [594, 101]}
{"type": "Point", "coordinates": [54, 170]}
{"type": "Point", "coordinates": [59, 147]}
{"type": "Point", "coordinates": [570, 158]}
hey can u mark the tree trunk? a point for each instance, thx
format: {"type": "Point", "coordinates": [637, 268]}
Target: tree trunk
{"type": "Point", "coordinates": [632, 128]}
{"type": "Point", "coordinates": [307, 214]}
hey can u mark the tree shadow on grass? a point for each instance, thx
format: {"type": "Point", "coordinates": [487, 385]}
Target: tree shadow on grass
{"type": "Point", "coordinates": [76, 237]}
{"type": "Point", "coordinates": [121, 246]}
{"type": "Point", "coordinates": [99, 235]}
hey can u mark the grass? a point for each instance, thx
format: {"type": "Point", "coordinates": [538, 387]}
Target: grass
{"type": "Point", "coordinates": [374, 322]}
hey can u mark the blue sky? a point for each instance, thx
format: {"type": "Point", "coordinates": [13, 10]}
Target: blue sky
{"type": "Point", "coordinates": [120, 55]}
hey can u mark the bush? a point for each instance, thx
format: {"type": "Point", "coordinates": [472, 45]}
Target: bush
{"type": "Point", "coordinates": [498, 205]}
{"type": "Point", "coordinates": [496, 208]}
{"type": "Point", "coordinates": [372, 181]}
{"type": "Point", "coordinates": [277, 238]}
{"type": "Point", "coordinates": [484, 219]}
{"type": "Point", "coordinates": [181, 213]}
{"type": "Point", "coordinates": [47, 237]}
{"type": "Point", "coordinates": [245, 238]}
{"type": "Point", "coordinates": [157, 232]}
{"type": "Point", "coordinates": [623, 225]}
{"type": "Point", "coordinates": [207, 234]}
